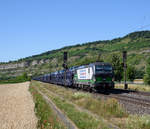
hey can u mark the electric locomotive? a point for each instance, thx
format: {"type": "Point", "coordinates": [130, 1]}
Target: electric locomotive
{"type": "Point", "coordinates": [94, 76]}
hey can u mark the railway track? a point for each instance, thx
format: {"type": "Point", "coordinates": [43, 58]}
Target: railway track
{"type": "Point", "coordinates": [130, 96]}
{"type": "Point", "coordinates": [131, 91]}
{"type": "Point", "coordinates": [135, 102]}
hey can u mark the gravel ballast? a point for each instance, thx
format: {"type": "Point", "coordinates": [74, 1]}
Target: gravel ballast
{"type": "Point", "coordinates": [16, 107]}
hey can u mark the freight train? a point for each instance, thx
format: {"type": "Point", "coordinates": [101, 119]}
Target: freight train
{"type": "Point", "coordinates": [94, 76]}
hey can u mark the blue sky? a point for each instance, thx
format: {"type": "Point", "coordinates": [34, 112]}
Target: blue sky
{"type": "Point", "coordinates": [29, 27]}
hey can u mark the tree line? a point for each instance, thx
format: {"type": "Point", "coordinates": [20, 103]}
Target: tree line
{"type": "Point", "coordinates": [21, 78]}
{"type": "Point", "coordinates": [132, 73]}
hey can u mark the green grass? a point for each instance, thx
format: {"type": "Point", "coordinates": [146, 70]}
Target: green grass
{"type": "Point", "coordinates": [136, 87]}
{"type": "Point", "coordinates": [137, 122]}
{"type": "Point", "coordinates": [12, 81]}
{"type": "Point", "coordinates": [81, 119]}
{"type": "Point", "coordinates": [22, 78]}
{"type": "Point", "coordinates": [105, 108]}
{"type": "Point", "coordinates": [79, 95]}
{"type": "Point", "coordinates": [46, 117]}
{"type": "Point", "coordinates": [109, 109]}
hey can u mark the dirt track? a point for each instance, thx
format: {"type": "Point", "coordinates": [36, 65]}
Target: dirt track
{"type": "Point", "coordinates": [16, 107]}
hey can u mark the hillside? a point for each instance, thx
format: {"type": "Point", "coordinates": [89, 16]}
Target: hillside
{"type": "Point", "coordinates": [137, 45]}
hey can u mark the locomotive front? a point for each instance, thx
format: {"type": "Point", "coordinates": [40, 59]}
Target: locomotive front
{"type": "Point", "coordinates": [103, 76]}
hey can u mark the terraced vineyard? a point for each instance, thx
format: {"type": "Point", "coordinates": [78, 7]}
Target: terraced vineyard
{"type": "Point", "coordinates": [137, 45]}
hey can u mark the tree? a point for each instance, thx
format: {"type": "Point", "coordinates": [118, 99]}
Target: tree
{"type": "Point", "coordinates": [131, 73]}
{"type": "Point", "coordinates": [147, 73]}
{"type": "Point", "coordinates": [23, 77]}
{"type": "Point", "coordinates": [118, 69]}
{"type": "Point", "coordinates": [99, 58]}
{"type": "Point", "coordinates": [86, 60]}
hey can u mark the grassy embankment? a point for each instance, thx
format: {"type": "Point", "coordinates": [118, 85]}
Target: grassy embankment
{"type": "Point", "coordinates": [136, 87]}
{"type": "Point", "coordinates": [109, 109]}
{"type": "Point", "coordinates": [81, 119]}
{"type": "Point", "coordinates": [46, 117]}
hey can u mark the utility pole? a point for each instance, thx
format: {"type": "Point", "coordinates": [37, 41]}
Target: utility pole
{"type": "Point", "coordinates": [99, 57]}
{"type": "Point", "coordinates": [125, 69]}
{"type": "Point", "coordinates": [65, 65]}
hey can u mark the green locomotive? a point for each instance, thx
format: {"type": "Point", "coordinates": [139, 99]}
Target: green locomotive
{"type": "Point", "coordinates": [97, 76]}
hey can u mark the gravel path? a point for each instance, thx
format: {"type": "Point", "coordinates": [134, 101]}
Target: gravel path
{"type": "Point", "coordinates": [16, 107]}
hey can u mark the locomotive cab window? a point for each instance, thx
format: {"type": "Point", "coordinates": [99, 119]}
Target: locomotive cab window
{"type": "Point", "coordinates": [98, 68]}
{"type": "Point", "coordinates": [102, 68]}
{"type": "Point", "coordinates": [107, 68]}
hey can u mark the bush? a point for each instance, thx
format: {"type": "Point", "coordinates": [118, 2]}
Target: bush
{"type": "Point", "coordinates": [22, 78]}
{"type": "Point", "coordinates": [147, 73]}
{"type": "Point", "coordinates": [131, 73]}
{"type": "Point", "coordinates": [118, 69]}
